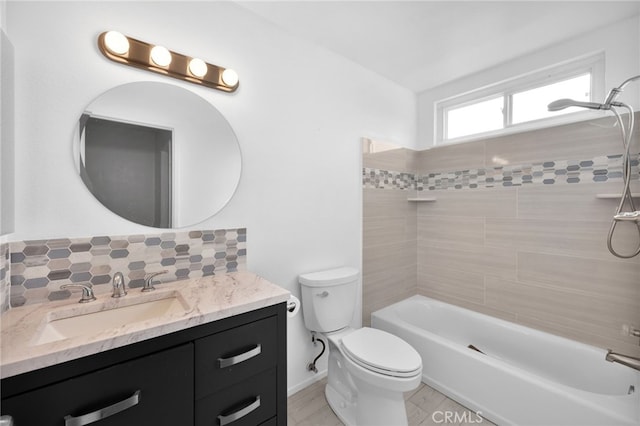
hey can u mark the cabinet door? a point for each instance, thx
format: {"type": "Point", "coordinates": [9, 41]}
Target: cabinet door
{"type": "Point", "coordinates": [154, 390]}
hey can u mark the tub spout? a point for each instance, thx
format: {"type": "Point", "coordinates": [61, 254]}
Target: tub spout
{"type": "Point", "coordinates": [629, 361]}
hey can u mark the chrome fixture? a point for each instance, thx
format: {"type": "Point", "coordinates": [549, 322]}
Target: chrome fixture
{"type": "Point", "coordinates": [87, 291]}
{"type": "Point", "coordinates": [148, 284]}
{"type": "Point", "coordinates": [629, 361]}
{"type": "Point", "coordinates": [105, 412]}
{"type": "Point", "coordinates": [119, 287]}
{"type": "Point", "coordinates": [610, 104]}
{"type": "Point", "coordinates": [129, 51]}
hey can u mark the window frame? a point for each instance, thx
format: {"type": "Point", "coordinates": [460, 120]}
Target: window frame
{"type": "Point", "coordinates": [594, 64]}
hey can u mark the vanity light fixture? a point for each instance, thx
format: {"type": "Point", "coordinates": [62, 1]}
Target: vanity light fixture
{"type": "Point", "coordinates": [129, 51]}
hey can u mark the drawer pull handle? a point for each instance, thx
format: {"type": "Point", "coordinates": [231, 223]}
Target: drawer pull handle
{"type": "Point", "coordinates": [225, 420]}
{"type": "Point", "coordinates": [103, 413]}
{"type": "Point", "coordinates": [233, 360]}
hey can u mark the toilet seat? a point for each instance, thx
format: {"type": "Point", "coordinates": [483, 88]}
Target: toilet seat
{"type": "Point", "coordinates": [381, 352]}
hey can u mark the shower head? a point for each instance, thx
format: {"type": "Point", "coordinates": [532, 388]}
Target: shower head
{"type": "Point", "coordinates": [566, 103]}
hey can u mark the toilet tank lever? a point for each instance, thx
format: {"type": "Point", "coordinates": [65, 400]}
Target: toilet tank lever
{"type": "Point", "coordinates": [323, 294]}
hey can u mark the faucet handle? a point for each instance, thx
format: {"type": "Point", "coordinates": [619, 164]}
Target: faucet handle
{"type": "Point", "coordinates": [87, 291]}
{"type": "Point", "coordinates": [148, 285]}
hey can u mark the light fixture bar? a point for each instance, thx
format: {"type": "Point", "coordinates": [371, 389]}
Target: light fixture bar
{"type": "Point", "coordinates": [176, 65]}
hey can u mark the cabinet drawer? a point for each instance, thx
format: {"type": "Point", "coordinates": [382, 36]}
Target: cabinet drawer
{"type": "Point", "coordinates": [156, 390]}
{"type": "Point", "coordinates": [231, 356]}
{"type": "Point", "coordinates": [248, 403]}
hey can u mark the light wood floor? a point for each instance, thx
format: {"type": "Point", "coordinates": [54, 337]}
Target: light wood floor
{"type": "Point", "coordinates": [425, 406]}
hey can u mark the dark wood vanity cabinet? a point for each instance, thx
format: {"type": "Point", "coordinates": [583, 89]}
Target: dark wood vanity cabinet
{"type": "Point", "coordinates": [227, 372]}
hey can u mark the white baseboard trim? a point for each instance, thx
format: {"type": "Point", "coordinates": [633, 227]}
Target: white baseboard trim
{"type": "Point", "coordinates": [308, 382]}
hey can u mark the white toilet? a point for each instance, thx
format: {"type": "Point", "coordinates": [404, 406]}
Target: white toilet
{"type": "Point", "coordinates": [369, 369]}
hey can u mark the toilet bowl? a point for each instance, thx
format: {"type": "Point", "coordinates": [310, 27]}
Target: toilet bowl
{"type": "Point", "coordinates": [368, 369]}
{"type": "Point", "coordinates": [365, 386]}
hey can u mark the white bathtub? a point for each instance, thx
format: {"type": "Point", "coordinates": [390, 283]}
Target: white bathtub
{"type": "Point", "coordinates": [524, 377]}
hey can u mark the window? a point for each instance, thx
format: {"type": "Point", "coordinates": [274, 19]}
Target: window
{"type": "Point", "coordinates": [532, 104]}
{"type": "Point", "coordinates": [519, 103]}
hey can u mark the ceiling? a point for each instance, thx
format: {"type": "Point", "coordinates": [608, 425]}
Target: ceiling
{"type": "Point", "coordinates": [423, 44]}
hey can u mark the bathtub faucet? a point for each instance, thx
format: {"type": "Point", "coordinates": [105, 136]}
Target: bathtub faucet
{"type": "Point", "coordinates": [629, 361]}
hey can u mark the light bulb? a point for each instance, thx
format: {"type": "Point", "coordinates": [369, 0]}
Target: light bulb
{"type": "Point", "coordinates": [198, 67]}
{"type": "Point", "coordinates": [116, 42]}
{"type": "Point", "coordinates": [161, 56]}
{"type": "Point", "coordinates": [229, 77]}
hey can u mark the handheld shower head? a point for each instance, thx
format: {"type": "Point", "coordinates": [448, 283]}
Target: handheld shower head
{"type": "Point", "coordinates": [566, 103]}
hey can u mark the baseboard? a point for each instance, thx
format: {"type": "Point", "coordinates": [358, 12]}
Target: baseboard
{"type": "Point", "coordinates": [308, 382]}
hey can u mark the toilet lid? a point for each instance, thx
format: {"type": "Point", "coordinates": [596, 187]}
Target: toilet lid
{"type": "Point", "coordinates": [382, 352]}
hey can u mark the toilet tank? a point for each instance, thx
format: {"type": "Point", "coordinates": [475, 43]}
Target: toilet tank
{"type": "Point", "coordinates": [329, 298]}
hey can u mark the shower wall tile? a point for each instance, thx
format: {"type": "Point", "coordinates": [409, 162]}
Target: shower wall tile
{"type": "Point", "coordinates": [601, 279]}
{"type": "Point", "coordinates": [382, 203]}
{"type": "Point", "coordinates": [471, 203]}
{"type": "Point", "coordinates": [452, 231]}
{"type": "Point", "coordinates": [386, 287]}
{"type": "Point", "coordinates": [573, 330]}
{"type": "Point", "coordinates": [569, 310]}
{"type": "Point", "coordinates": [379, 258]}
{"type": "Point", "coordinates": [581, 140]}
{"type": "Point", "coordinates": [462, 156]}
{"type": "Point", "coordinates": [495, 262]}
{"type": "Point", "coordinates": [517, 230]}
{"type": "Point", "coordinates": [455, 284]}
{"type": "Point", "coordinates": [386, 156]}
{"type": "Point", "coordinates": [40, 267]}
{"type": "Point", "coordinates": [521, 234]}
{"type": "Point", "coordinates": [556, 237]}
{"type": "Point", "coordinates": [568, 202]}
{"type": "Point", "coordinates": [473, 306]}
{"type": "Point", "coordinates": [379, 231]}
{"type": "Point", "coordinates": [389, 226]}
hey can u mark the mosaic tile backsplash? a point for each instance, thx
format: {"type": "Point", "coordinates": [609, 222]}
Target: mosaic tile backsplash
{"type": "Point", "coordinates": [5, 266]}
{"type": "Point", "coordinates": [39, 267]}
{"type": "Point", "coordinates": [599, 169]}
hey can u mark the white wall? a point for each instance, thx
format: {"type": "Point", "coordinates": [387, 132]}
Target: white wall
{"type": "Point", "coordinates": [299, 114]}
{"type": "Point", "coordinates": [619, 41]}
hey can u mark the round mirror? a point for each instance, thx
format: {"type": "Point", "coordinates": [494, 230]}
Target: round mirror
{"type": "Point", "coordinates": [157, 154]}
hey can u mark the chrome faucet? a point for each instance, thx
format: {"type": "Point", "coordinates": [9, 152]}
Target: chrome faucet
{"type": "Point", "coordinates": [87, 291]}
{"type": "Point", "coordinates": [148, 280]}
{"type": "Point", "coordinates": [627, 360]}
{"type": "Point", "coordinates": [119, 288]}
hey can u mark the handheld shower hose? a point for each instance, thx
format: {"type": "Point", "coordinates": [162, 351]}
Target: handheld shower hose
{"type": "Point", "coordinates": [627, 138]}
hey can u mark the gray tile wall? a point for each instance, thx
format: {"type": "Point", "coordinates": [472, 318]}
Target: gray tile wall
{"type": "Point", "coordinates": [516, 231]}
{"type": "Point", "coordinates": [532, 248]}
{"type": "Point", "coordinates": [389, 227]}
{"type": "Point", "coordinates": [40, 267]}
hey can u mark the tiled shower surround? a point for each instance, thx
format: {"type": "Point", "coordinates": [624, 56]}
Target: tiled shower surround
{"type": "Point", "coordinates": [40, 267]}
{"type": "Point", "coordinates": [517, 230]}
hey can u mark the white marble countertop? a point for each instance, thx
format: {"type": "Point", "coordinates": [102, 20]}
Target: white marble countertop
{"type": "Point", "coordinates": [202, 300]}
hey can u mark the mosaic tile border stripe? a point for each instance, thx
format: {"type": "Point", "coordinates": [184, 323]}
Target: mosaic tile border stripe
{"type": "Point", "coordinates": [599, 169]}
{"type": "Point", "coordinates": [40, 267]}
{"type": "Point", "coordinates": [385, 179]}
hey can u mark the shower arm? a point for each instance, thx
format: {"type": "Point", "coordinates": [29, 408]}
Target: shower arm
{"type": "Point", "coordinates": [615, 92]}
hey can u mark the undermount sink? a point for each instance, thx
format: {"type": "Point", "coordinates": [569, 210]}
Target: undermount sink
{"type": "Point", "coordinates": [75, 324]}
